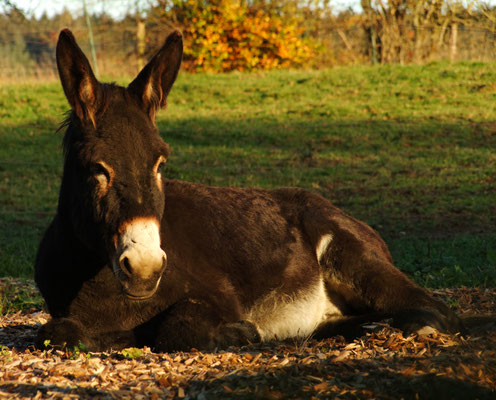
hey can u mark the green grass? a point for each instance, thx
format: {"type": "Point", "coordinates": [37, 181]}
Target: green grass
{"type": "Point", "coordinates": [18, 295]}
{"type": "Point", "coordinates": [410, 150]}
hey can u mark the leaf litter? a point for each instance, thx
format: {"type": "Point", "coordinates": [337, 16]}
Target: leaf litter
{"type": "Point", "coordinates": [382, 364]}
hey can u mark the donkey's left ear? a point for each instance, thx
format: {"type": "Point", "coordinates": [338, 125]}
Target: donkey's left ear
{"type": "Point", "coordinates": [154, 82]}
{"type": "Point", "coordinates": [80, 85]}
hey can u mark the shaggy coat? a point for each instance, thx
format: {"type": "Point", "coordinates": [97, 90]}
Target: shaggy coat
{"type": "Point", "coordinates": [133, 259]}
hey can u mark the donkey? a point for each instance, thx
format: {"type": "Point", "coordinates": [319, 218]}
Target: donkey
{"type": "Point", "coordinates": [134, 259]}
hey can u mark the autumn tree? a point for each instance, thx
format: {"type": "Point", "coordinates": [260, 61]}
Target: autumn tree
{"type": "Point", "coordinates": [225, 35]}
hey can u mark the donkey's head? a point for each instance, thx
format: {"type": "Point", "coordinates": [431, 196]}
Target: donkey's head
{"type": "Point", "coordinates": [112, 191]}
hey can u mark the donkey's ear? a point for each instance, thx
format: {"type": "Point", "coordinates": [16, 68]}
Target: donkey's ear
{"type": "Point", "coordinates": [80, 85]}
{"type": "Point", "coordinates": [154, 82]}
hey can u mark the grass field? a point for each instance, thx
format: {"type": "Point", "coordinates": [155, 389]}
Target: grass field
{"type": "Point", "coordinates": [410, 150]}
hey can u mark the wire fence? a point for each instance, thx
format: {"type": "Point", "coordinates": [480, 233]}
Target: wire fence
{"type": "Point", "coordinates": [33, 53]}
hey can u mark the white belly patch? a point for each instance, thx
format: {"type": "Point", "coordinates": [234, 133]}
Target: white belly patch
{"type": "Point", "coordinates": [279, 316]}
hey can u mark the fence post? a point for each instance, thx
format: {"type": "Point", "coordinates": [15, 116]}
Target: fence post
{"type": "Point", "coordinates": [141, 42]}
{"type": "Point", "coordinates": [90, 33]}
{"type": "Point", "coordinates": [453, 41]}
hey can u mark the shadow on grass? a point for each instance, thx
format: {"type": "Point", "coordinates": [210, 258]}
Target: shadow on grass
{"type": "Point", "coordinates": [427, 186]}
{"type": "Point", "coordinates": [403, 175]}
{"type": "Point", "coordinates": [353, 135]}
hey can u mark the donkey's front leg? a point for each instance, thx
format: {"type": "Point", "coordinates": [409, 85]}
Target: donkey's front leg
{"type": "Point", "coordinates": [63, 333]}
{"type": "Point", "coordinates": [69, 333]}
{"type": "Point", "coordinates": [196, 324]}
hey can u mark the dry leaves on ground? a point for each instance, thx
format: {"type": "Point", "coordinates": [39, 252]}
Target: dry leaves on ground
{"type": "Point", "coordinates": [383, 364]}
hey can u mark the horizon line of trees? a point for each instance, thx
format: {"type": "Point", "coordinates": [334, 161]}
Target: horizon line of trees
{"type": "Point", "coordinates": [227, 35]}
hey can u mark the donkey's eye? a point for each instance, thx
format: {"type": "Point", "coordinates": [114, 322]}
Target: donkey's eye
{"type": "Point", "coordinates": [102, 179]}
{"type": "Point", "coordinates": [100, 172]}
{"type": "Point", "coordinates": [104, 175]}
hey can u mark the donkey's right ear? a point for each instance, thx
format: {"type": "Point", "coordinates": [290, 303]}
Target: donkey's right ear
{"type": "Point", "coordinates": [154, 82]}
{"type": "Point", "coordinates": [80, 85]}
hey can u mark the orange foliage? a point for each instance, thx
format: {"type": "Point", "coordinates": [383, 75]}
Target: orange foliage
{"type": "Point", "coordinates": [227, 35]}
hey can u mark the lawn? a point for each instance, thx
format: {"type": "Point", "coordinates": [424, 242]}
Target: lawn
{"type": "Point", "coordinates": [408, 149]}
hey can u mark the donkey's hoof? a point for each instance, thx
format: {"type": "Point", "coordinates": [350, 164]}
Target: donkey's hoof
{"type": "Point", "coordinates": [414, 320]}
{"type": "Point", "coordinates": [61, 333]}
{"type": "Point", "coordinates": [238, 333]}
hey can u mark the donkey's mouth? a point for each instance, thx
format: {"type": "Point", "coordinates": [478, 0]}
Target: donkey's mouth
{"type": "Point", "coordinates": [141, 294]}
{"type": "Point", "coordinates": [137, 297]}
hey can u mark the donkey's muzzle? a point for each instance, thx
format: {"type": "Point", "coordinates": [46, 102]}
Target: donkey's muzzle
{"type": "Point", "coordinates": [136, 285]}
{"type": "Point", "coordinates": [140, 261]}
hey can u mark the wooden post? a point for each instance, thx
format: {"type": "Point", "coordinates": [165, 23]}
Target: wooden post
{"type": "Point", "coordinates": [141, 42]}
{"type": "Point", "coordinates": [453, 41]}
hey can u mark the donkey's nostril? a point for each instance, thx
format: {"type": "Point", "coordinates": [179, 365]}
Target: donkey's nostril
{"type": "Point", "coordinates": [126, 266]}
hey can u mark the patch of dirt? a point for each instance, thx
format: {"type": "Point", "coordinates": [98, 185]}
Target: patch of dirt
{"type": "Point", "coordinates": [383, 364]}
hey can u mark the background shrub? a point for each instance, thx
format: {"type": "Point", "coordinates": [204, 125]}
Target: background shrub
{"type": "Point", "coordinates": [226, 35]}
